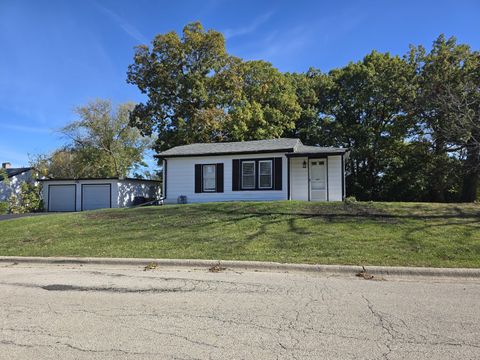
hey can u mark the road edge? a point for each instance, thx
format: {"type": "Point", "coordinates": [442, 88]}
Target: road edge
{"type": "Point", "coordinates": [254, 265]}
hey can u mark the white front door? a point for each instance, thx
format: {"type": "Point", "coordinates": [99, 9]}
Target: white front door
{"type": "Point", "coordinates": [318, 180]}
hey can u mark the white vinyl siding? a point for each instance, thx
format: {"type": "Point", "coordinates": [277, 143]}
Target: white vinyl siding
{"type": "Point", "coordinates": [181, 179]}
{"type": "Point", "coordinates": [129, 189]}
{"type": "Point", "coordinates": [298, 179]}
{"type": "Point", "coordinates": [334, 178]}
{"type": "Point", "coordinates": [14, 185]}
{"type": "Point", "coordinates": [209, 177]}
{"type": "Point", "coordinates": [248, 175]}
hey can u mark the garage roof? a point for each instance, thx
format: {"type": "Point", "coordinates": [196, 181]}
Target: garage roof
{"type": "Point", "coordinates": [104, 178]}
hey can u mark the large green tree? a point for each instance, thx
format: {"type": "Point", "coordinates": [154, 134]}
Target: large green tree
{"type": "Point", "coordinates": [199, 93]}
{"type": "Point", "coordinates": [309, 88]}
{"type": "Point", "coordinates": [447, 113]}
{"type": "Point", "coordinates": [361, 107]}
{"type": "Point", "coordinates": [412, 123]}
{"type": "Point", "coordinates": [259, 100]}
{"type": "Point", "coordinates": [99, 144]}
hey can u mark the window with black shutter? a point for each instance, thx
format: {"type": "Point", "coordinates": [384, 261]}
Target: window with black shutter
{"type": "Point", "coordinates": [235, 175]}
{"type": "Point", "coordinates": [257, 174]}
{"type": "Point", "coordinates": [265, 170]}
{"type": "Point", "coordinates": [208, 178]}
{"type": "Point", "coordinates": [219, 172]}
{"type": "Point", "coordinates": [248, 175]}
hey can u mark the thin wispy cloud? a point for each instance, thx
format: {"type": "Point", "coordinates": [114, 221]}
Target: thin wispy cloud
{"type": "Point", "coordinates": [126, 26]}
{"type": "Point", "coordinates": [27, 129]}
{"type": "Point", "coordinates": [247, 29]}
{"type": "Point", "coordinates": [285, 44]}
{"type": "Point", "coordinates": [282, 47]}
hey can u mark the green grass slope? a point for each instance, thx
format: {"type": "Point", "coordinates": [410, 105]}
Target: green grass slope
{"type": "Point", "coordinates": [416, 234]}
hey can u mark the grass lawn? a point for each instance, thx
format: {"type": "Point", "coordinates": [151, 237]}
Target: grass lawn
{"type": "Point", "coordinates": [418, 234]}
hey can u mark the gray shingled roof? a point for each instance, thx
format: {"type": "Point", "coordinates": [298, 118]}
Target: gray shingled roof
{"type": "Point", "coordinates": [14, 171]}
{"type": "Point", "coordinates": [257, 146]}
{"type": "Point", "coordinates": [304, 149]}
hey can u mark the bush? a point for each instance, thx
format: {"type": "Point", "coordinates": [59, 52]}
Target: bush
{"type": "Point", "coordinates": [29, 200]}
{"type": "Point", "coordinates": [350, 200]}
{"type": "Point", "coordinates": [3, 207]}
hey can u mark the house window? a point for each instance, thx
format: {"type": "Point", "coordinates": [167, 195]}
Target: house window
{"type": "Point", "coordinates": [209, 178]}
{"type": "Point", "coordinates": [265, 174]}
{"type": "Point", "coordinates": [248, 174]}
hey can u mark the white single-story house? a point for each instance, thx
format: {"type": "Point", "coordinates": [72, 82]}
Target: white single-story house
{"type": "Point", "coordinates": [16, 177]}
{"type": "Point", "coordinates": [276, 169]}
{"type": "Point", "coordinates": [91, 194]}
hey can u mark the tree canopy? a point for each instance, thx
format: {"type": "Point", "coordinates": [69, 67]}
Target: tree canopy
{"type": "Point", "coordinates": [99, 144]}
{"type": "Point", "coordinates": [197, 92]}
{"type": "Point", "coordinates": [412, 122]}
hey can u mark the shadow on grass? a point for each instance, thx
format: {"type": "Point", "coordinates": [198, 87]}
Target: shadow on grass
{"type": "Point", "coordinates": [349, 211]}
{"type": "Point", "coordinates": [226, 214]}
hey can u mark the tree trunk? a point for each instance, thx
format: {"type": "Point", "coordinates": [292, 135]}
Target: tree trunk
{"type": "Point", "coordinates": [438, 186]}
{"type": "Point", "coordinates": [470, 186]}
{"type": "Point", "coordinates": [472, 174]}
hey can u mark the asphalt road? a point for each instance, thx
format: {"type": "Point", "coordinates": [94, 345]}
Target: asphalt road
{"type": "Point", "coordinates": [107, 312]}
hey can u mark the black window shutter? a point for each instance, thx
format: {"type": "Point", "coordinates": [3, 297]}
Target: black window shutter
{"type": "Point", "coordinates": [219, 174]}
{"type": "Point", "coordinates": [278, 173]}
{"type": "Point", "coordinates": [198, 178]}
{"type": "Point", "coordinates": [235, 175]}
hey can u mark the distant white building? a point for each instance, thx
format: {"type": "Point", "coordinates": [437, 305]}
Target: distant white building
{"type": "Point", "coordinates": [16, 177]}
{"type": "Point", "coordinates": [91, 194]}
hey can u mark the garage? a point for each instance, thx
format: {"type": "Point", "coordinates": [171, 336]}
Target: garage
{"type": "Point", "coordinates": [61, 197]}
{"type": "Point", "coordinates": [92, 194]}
{"type": "Point", "coordinates": [96, 196]}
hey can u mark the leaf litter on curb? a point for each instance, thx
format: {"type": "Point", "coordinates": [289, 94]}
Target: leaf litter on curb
{"type": "Point", "coordinates": [366, 275]}
{"type": "Point", "coordinates": [150, 266]}
{"type": "Point", "coordinates": [217, 268]}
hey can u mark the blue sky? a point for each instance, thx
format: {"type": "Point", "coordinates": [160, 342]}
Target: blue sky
{"type": "Point", "coordinates": [56, 55]}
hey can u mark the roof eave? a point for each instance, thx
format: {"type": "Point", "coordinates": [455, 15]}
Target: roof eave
{"type": "Point", "coordinates": [316, 153]}
{"type": "Point", "coordinates": [160, 156]}
{"type": "Point", "coordinates": [97, 179]}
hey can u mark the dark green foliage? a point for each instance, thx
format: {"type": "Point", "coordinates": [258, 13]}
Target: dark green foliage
{"type": "Point", "coordinates": [3, 207]}
{"type": "Point", "coordinates": [198, 93]}
{"type": "Point", "coordinates": [101, 144]}
{"type": "Point", "coordinates": [362, 108]}
{"type": "Point", "coordinates": [27, 201]}
{"type": "Point", "coordinates": [412, 123]}
{"type": "Point", "coordinates": [447, 113]}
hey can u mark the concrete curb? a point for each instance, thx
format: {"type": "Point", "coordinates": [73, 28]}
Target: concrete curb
{"type": "Point", "coordinates": [254, 265]}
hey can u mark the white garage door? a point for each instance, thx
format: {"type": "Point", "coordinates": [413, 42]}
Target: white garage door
{"type": "Point", "coordinates": [96, 196]}
{"type": "Point", "coordinates": [61, 197]}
